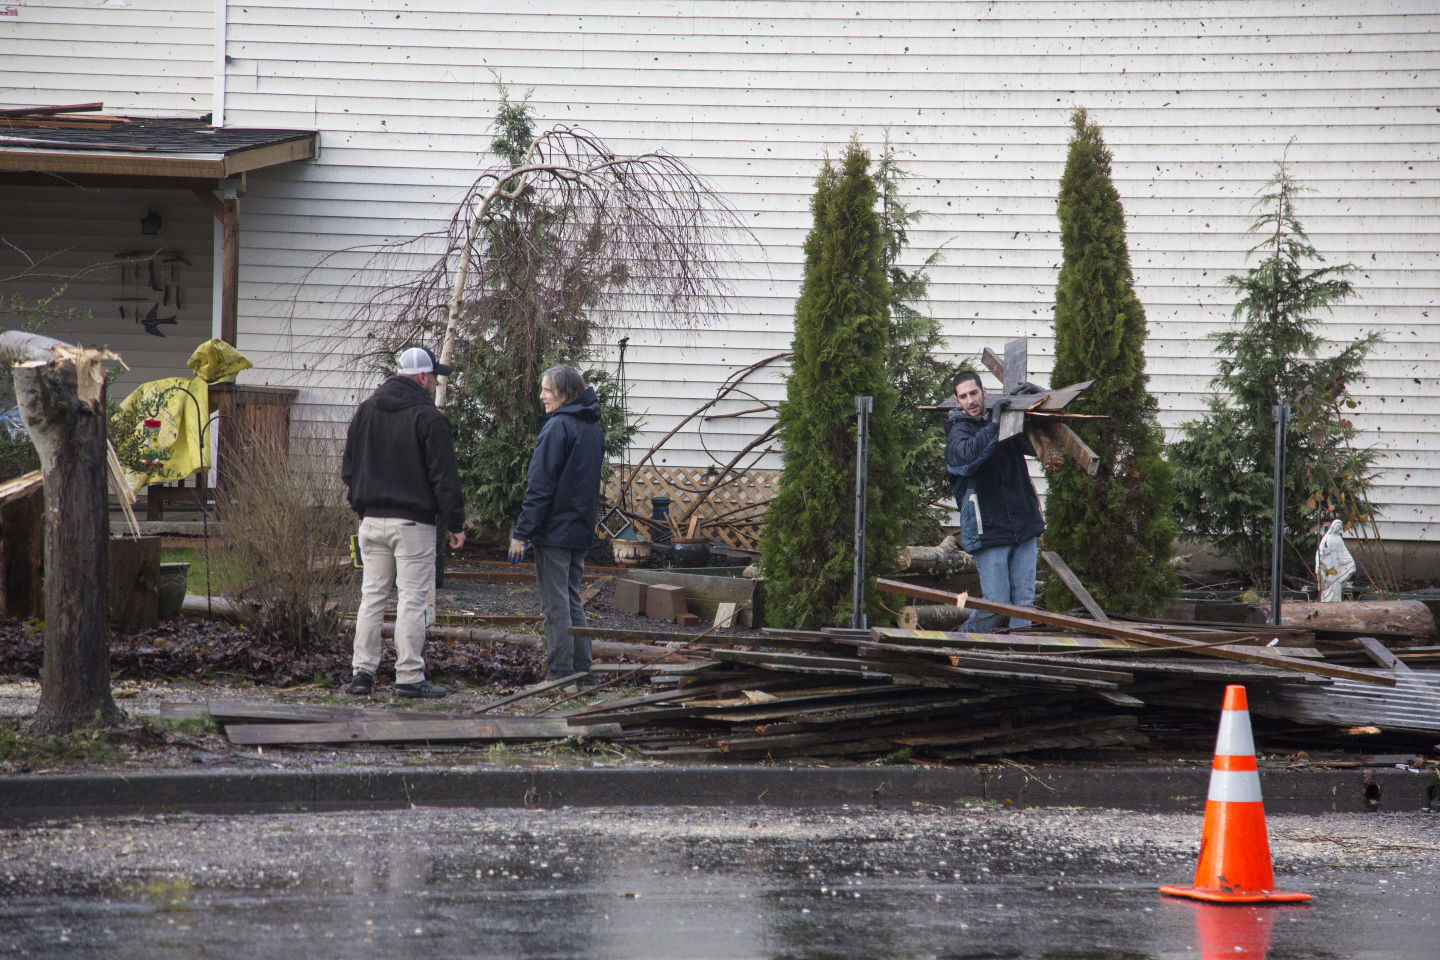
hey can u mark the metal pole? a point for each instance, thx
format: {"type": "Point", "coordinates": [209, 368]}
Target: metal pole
{"type": "Point", "coordinates": [864, 406]}
{"type": "Point", "coordinates": [1281, 415]}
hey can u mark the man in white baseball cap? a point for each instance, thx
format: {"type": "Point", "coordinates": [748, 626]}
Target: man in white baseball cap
{"type": "Point", "coordinates": [415, 360]}
{"type": "Point", "coordinates": [399, 468]}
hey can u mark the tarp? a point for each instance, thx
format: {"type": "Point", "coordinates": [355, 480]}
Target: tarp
{"type": "Point", "coordinates": [183, 408]}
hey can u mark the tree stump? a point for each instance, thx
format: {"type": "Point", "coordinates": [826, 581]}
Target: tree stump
{"type": "Point", "coordinates": [61, 394]}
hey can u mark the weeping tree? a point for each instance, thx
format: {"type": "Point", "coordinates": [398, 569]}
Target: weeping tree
{"type": "Point", "coordinates": [556, 238]}
{"type": "Point", "coordinates": [842, 331]}
{"type": "Point", "coordinates": [1225, 460]}
{"type": "Point", "coordinates": [1114, 529]}
{"type": "Point", "coordinates": [920, 379]}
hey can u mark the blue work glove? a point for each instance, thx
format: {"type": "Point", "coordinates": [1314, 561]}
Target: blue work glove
{"type": "Point", "coordinates": [517, 550]}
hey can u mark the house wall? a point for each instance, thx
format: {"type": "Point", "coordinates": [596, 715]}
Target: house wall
{"type": "Point", "coordinates": [1197, 102]}
{"type": "Point", "coordinates": [139, 57]}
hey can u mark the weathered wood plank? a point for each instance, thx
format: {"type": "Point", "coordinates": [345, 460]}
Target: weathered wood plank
{"type": "Point", "coordinates": [409, 730]}
{"type": "Point", "coordinates": [1072, 582]}
{"type": "Point", "coordinates": [1129, 633]}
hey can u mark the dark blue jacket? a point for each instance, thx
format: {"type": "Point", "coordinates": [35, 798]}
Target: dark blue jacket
{"type": "Point", "coordinates": [562, 489]}
{"type": "Point", "coordinates": [997, 501]}
{"type": "Point", "coordinates": [399, 458]}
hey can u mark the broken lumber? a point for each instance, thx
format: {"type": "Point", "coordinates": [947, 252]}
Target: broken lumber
{"type": "Point", "coordinates": [1129, 633]}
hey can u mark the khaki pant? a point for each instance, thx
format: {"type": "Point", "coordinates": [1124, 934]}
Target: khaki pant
{"type": "Point", "coordinates": [399, 554]}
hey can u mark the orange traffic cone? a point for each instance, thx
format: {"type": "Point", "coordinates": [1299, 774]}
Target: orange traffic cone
{"type": "Point", "coordinates": [1234, 850]}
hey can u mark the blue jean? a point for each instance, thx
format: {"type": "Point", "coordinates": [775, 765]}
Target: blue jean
{"type": "Point", "coordinates": [1007, 575]}
{"type": "Point", "coordinates": [557, 573]}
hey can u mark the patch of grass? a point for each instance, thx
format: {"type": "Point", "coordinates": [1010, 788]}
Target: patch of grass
{"type": "Point", "coordinates": [20, 751]}
{"type": "Point", "coordinates": [224, 572]}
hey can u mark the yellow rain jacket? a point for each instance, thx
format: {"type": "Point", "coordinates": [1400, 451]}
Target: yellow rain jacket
{"type": "Point", "coordinates": [183, 408]}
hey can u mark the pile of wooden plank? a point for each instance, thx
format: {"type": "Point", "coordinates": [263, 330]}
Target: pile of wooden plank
{"type": "Point", "coordinates": [1067, 687]}
{"type": "Point", "coordinates": [952, 696]}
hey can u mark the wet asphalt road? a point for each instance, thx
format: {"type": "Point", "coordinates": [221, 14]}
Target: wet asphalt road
{"type": "Point", "coordinates": [704, 883]}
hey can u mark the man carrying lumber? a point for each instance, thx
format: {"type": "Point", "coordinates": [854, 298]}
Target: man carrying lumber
{"type": "Point", "coordinates": [1000, 516]}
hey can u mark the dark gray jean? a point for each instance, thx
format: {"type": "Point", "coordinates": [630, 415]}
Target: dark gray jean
{"type": "Point", "coordinates": [557, 573]}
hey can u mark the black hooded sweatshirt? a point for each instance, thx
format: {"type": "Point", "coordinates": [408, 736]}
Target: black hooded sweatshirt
{"type": "Point", "coordinates": [400, 458]}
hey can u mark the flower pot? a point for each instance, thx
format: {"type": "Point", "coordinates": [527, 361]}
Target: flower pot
{"type": "Point", "coordinates": [630, 553]}
{"type": "Point", "coordinates": [170, 590]}
{"type": "Point", "coordinates": [690, 553]}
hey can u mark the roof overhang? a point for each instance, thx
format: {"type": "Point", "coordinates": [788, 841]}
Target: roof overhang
{"type": "Point", "coordinates": [143, 150]}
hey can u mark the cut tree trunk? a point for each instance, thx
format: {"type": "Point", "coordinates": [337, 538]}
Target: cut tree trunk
{"type": "Point", "coordinates": [937, 616]}
{"type": "Point", "coordinates": [61, 394]}
{"type": "Point", "coordinates": [1390, 618]}
{"type": "Point", "coordinates": [942, 559]}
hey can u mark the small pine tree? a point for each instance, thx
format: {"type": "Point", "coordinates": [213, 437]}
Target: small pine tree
{"type": "Point", "coordinates": [841, 336]}
{"type": "Point", "coordinates": [1115, 529]}
{"type": "Point", "coordinates": [1224, 462]}
{"type": "Point", "coordinates": [919, 378]}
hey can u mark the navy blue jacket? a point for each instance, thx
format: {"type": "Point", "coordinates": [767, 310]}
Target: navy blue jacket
{"type": "Point", "coordinates": [997, 501]}
{"type": "Point", "coordinates": [562, 489]}
{"type": "Point", "coordinates": [400, 458]}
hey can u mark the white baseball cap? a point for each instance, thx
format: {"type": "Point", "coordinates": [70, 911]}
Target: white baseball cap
{"type": "Point", "coordinates": [415, 360]}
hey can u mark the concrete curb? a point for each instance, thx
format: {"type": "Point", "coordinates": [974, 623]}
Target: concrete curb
{"type": "Point", "coordinates": [1148, 789]}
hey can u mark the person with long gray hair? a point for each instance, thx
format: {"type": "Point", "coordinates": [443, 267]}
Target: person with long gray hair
{"type": "Point", "coordinates": [557, 517]}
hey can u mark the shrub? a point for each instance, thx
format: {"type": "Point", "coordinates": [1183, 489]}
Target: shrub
{"type": "Point", "coordinates": [286, 529]}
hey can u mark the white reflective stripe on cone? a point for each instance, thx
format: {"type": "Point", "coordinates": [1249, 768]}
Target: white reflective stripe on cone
{"type": "Point", "coordinates": [1234, 739]}
{"type": "Point", "coordinates": [1234, 786]}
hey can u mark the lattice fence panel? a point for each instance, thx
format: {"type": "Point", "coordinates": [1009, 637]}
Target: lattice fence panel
{"type": "Point", "coordinates": [731, 515]}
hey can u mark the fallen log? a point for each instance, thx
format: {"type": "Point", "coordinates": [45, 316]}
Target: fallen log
{"type": "Point", "coordinates": [1392, 618]}
{"type": "Point", "coordinates": [946, 557]}
{"type": "Point", "coordinates": [933, 616]}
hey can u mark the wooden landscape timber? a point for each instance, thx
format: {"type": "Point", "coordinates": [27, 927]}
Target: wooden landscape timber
{"type": "Point", "coordinates": [1390, 618]}
{"type": "Point", "coordinates": [251, 723]}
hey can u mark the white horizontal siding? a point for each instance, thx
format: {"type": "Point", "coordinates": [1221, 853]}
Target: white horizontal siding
{"type": "Point", "coordinates": [142, 58]}
{"type": "Point", "coordinates": [1197, 102]}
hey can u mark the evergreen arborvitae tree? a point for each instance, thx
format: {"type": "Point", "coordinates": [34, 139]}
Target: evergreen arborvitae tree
{"type": "Point", "coordinates": [1116, 530]}
{"type": "Point", "coordinates": [842, 328]}
{"type": "Point", "coordinates": [919, 378]}
{"type": "Point", "coordinates": [1224, 462]}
